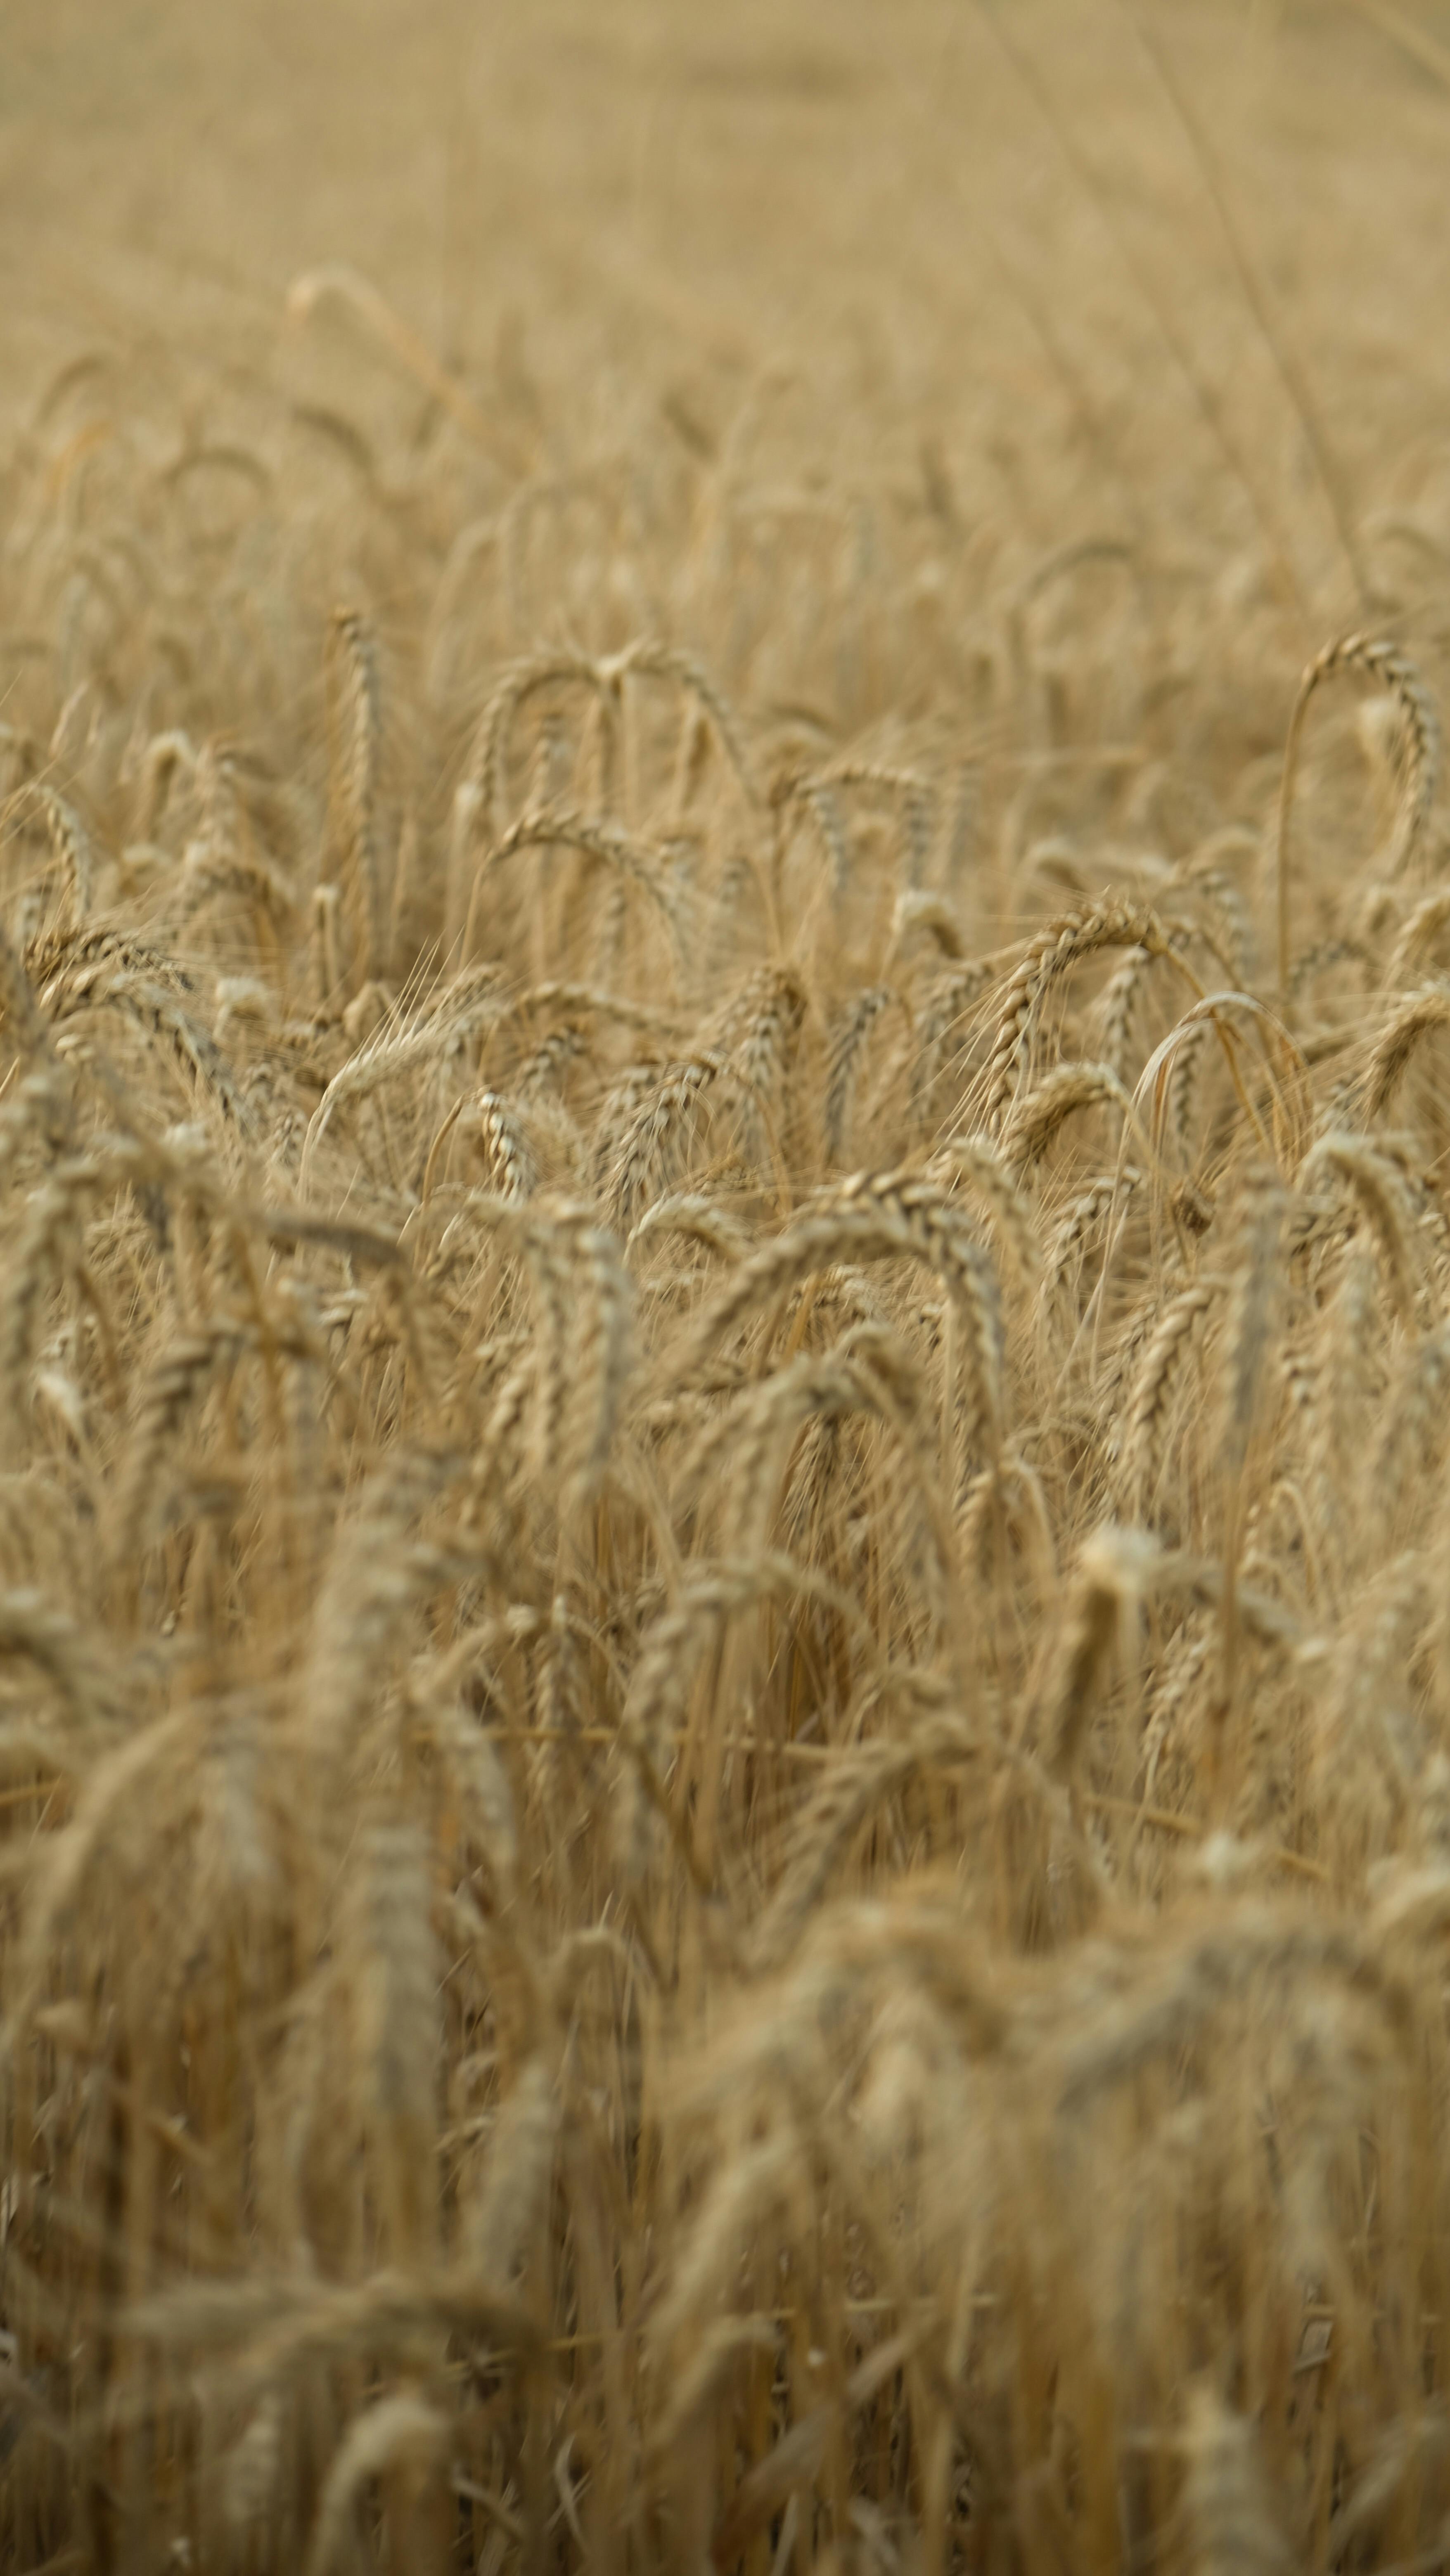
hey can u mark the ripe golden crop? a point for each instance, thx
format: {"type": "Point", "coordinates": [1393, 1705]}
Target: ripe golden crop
{"type": "Point", "coordinates": [725, 1300]}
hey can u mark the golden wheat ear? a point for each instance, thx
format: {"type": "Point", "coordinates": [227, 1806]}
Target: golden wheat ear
{"type": "Point", "coordinates": [357, 725]}
{"type": "Point", "coordinates": [586, 1347]}
{"type": "Point", "coordinates": [1420, 728]}
{"type": "Point", "coordinates": [1050, 957]}
{"type": "Point", "coordinates": [849, 1040]}
{"type": "Point", "coordinates": [72, 846]}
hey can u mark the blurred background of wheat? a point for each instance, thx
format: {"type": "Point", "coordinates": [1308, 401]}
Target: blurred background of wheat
{"type": "Point", "coordinates": [725, 1315]}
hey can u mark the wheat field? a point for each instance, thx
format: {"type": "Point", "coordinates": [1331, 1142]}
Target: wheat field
{"type": "Point", "coordinates": [725, 1299]}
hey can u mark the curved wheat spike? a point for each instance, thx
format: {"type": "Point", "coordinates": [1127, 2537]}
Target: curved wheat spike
{"type": "Point", "coordinates": [395, 2433]}
{"type": "Point", "coordinates": [1082, 1221]}
{"type": "Point", "coordinates": [945, 1014]}
{"type": "Point", "coordinates": [659, 1687]}
{"type": "Point", "coordinates": [716, 2354]}
{"type": "Point", "coordinates": [618, 1112]}
{"type": "Point", "coordinates": [512, 1170]}
{"type": "Point", "coordinates": [1229, 932]}
{"type": "Point", "coordinates": [24, 1018]}
{"type": "Point", "coordinates": [501, 2228]}
{"type": "Point", "coordinates": [655, 1146]}
{"type": "Point", "coordinates": [1389, 1061]}
{"type": "Point", "coordinates": [970, 1163]}
{"type": "Point", "coordinates": [155, 1007]}
{"type": "Point", "coordinates": [590, 1001]}
{"type": "Point", "coordinates": [753, 1049]}
{"type": "Point", "coordinates": [1376, 1180]}
{"type": "Point", "coordinates": [653, 660]}
{"type": "Point", "coordinates": [1117, 922]}
{"type": "Point", "coordinates": [698, 1220]}
{"type": "Point", "coordinates": [477, 1776]}
{"type": "Point", "coordinates": [1038, 1114]}
{"type": "Point", "coordinates": [483, 777]}
{"type": "Point", "coordinates": [64, 965]}
{"type": "Point", "coordinates": [71, 843]}
{"type": "Point", "coordinates": [501, 1443]}
{"type": "Point", "coordinates": [485, 763]}
{"type": "Point", "coordinates": [132, 1772]}
{"type": "Point", "coordinates": [211, 868]}
{"type": "Point", "coordinates": [1008, 1498]}
{"type": "Point", "coordinates": [586, 1347]}
{"type": "Point", "coordinates": [1152, 1388]}
{"type": "Point", "coordinates": [1391, 666]}
{"type": "Point", "coordinates": [913, 793]}
{"type": "Point", "coordinates": [916, 913]}
{"type": "Point", "coordinates": [1114, 1574]}
{"type": "Point", "coordinates": [1417, 936]}
{"type": "Point", "coordinates": [855, 1790]}
{"type": "Point", "coordinates": [93, 1691]}
{"type": "Point", "coordinates": [1285, 1066]}
{"type": "Point", "coordinates": [1413, 1438]}
{"type": "Point", "coordinates": [167, 755]}
{"type": "Point", "coordinates": [281, 2317]}
{"type": "Point", "coordinates": [1186, 1085]}
{"type": "Point", "coordinates": [881, 1216]}
{"type": "Point", "coordinates": [745, 1448]}
{"type": "Point", "coordinates": [869, 1372]}
{"type": "Point", "coordinates": [761, 1027]}
{"type": "Point", "coordinates": [633, 861]}
{"type": "Point", "coordinates": [49, 1236]}
{"type": "Point", "coordinates": [479, 1004]}
{"type": "Point", "coordinates": [1116, 1009]}
{"type": "Point", "coordinates": [380, 1569]}
{"type": "Point", "coordinates": [848, 1042]}
{"type": "Point", "coordinates": [739, 2195]}
{"type": "Point", "coordinates": [170, 1390]}
{"type": "Point", "coordinates": [544, 1073]}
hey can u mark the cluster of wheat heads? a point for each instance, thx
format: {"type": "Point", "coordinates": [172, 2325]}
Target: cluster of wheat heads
{"type": "Point", "coordinates": [724, 1671]}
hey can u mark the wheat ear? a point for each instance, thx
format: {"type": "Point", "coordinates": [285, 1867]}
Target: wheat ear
{"type": "Point", "coordinates": [1386, 663]}
{"type": "Point", "coordinates": [875, 1217]}
{"type": "Point", "coordinates": [354, 657]}
{"type": "Point", "coordinates": [1117, 922]}
{"type": "Point", "coordinates": [1415, 1016]}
